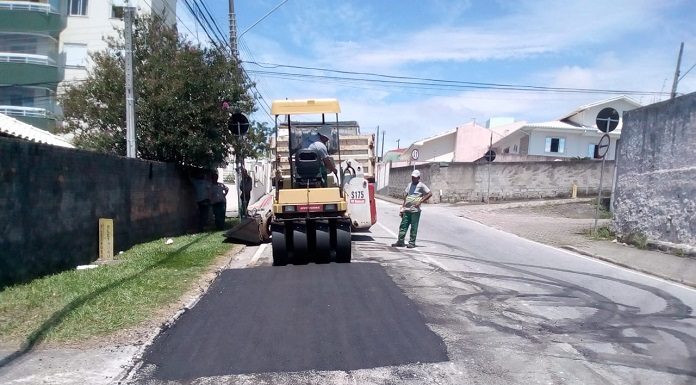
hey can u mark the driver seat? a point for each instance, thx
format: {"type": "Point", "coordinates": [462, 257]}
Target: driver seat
{"type": "Point", "coordinates": [308, 169]}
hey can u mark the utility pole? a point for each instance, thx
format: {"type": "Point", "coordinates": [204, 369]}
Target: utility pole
{"type": "Point", "coordinates": [382, 153]}
{"type": "Point", "coordinates": [377, 145]}
{"type": "Point", "coordinates": [676, 73]}
{"type": "Point", "coordinates": [233, 31]}
{"type": "Point", "coordinates": [397, 144]}
{"type": "Point", "coordinates": [130, 100]}
{"type": "Point", "coordinates": [238, 160]}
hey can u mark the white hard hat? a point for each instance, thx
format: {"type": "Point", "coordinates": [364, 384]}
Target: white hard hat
{"type": "Point", "coordinates": [415, 173]}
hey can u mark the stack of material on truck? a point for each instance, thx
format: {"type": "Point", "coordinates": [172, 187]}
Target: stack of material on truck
{"type": "Point", "coordinates": [353, 144]}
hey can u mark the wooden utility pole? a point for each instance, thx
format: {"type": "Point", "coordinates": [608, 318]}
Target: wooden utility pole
{"type": "Point", "coordinates": [676, 73]}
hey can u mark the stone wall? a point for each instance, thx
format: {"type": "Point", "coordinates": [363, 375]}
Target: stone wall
{"type": "Point", "coordinates": [454, 182]}
{"type": "Point", "coordinates": [656, 175]}
{"type": "Point", "coordinates": [51, 199]}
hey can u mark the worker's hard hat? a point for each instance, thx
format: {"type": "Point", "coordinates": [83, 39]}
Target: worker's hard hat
{"type": "Point", "coordinates": [415, 174]}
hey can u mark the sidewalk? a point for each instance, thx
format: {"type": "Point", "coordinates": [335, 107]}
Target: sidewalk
{"type": "Point", "coordinates": [563, 223]}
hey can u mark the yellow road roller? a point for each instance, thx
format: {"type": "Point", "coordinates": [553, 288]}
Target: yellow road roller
{"type": "Point", "coordinates": [310, 222]}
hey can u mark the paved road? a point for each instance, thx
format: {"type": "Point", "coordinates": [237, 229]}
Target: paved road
{"type": "Point", "coordinates": [508, 311]}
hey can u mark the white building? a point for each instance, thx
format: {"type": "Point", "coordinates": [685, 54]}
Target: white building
{"type": "Point", "coordinates": [91, 21]}
{"type": "Point", "coordinates": [574, 135]}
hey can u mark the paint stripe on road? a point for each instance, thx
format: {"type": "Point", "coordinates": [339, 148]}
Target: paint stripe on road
{"type": "Point", "coordinates": [257, 255]}
{"type": "Point", "coordinates": [385, 228]}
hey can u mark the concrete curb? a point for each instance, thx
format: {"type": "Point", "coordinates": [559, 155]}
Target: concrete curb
{"type": "Point", "coordinates": [631, 267]}
{"type": "Point", "coordinates": [389, 199]}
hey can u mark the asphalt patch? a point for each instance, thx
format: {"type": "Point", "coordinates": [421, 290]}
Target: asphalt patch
{"type": "Point", "coordinates": [296, 318]}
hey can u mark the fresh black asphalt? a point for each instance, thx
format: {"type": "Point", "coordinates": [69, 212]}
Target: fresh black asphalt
{"type": "Point", "coordinates": [296, 318]}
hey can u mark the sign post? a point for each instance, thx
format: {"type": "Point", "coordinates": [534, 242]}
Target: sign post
{"type": "Point", "coordinates": [238, 124]}
{"type": "Point", "coordinates": [490, 157]}
{"type": "Point", "coordinates": [607, 121]}
{"type": "Point", "coordinates": [414, 156]}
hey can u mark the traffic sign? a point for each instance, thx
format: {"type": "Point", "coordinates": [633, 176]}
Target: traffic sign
{"type": "Point", "coordinates": [414, 154]}
{"type": "Point", "coordinates": [238, 123]}
{"type": "Point", "coordinates": [607, 119]}
{"type": "Point", "coordinates": [603, 146]}
{"type": "Point", "coordinates": [489, 156]}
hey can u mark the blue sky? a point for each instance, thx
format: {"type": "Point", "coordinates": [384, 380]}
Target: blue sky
{"type": "Point", "coordinates": [603, 44]}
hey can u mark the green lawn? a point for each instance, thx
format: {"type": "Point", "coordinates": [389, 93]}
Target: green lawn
{"type": "Point", "coordinates": [78, 304]}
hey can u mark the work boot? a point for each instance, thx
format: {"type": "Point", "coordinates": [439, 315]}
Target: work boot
{"type": "Point", "coordinates": [411, 245]}
{"type": "Point", "coordinates": [398, 244]}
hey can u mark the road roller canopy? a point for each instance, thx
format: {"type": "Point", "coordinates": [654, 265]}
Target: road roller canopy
{"type": "Point", "coordinates": [305, 106]}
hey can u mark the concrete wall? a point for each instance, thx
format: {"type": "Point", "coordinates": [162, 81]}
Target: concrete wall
{"type": "Point", "coordinates": [656, 177]}
{"type": "Point", "coordinates": [52, 199]}
{"type": "Point", "coordinates": [509, 181]}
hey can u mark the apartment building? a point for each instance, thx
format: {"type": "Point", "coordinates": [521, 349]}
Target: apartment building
{"type": "Point", "coordinates": [90, 22]}
{"type": "Point", "coordinates": [31, 65]}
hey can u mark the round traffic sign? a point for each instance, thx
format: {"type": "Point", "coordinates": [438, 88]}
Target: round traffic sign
{"type": "Point", "coordinates": [489, 156]}
{"type": "Point", "coordinates": [607, 119]}
{"type": "Point", "coordinates": [238, 123]}
{"type": "Point", "coordinates": [603, 146]}
{"type": "Point", "coordinates": [414, 154]}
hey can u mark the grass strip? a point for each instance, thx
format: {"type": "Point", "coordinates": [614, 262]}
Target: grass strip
{"type": "Point", "coordinates": [79, 304]}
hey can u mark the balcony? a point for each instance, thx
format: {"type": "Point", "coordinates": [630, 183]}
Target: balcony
{"type": "Point", "coordinates": [37, 117]}
{"type": "Point", "coordinates": [29, 69]}
{"type": "Point", "coordinates": [24, 16]}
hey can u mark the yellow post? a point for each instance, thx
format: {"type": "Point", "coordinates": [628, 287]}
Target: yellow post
{"type": "Point", "coordinates": [575, 191]}
{"type": "Point", "coordinates": [106, 239]}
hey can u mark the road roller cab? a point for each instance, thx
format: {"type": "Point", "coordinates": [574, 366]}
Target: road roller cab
{"type": "Point", "coordinates": [310, 222]}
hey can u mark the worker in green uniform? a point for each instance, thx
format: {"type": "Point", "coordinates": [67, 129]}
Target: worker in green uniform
{"type": "Point", "coordinates": [416, 193]}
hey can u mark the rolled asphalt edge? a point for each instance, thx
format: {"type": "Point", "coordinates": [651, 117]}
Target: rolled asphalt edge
{"type": "Point", "coordinates": [658, 264]}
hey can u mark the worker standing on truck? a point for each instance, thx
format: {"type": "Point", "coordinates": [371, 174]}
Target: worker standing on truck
{"type": "Point", "coordinates": [416, 193]}
{"type": "Point", "coordinates": [317, 142]}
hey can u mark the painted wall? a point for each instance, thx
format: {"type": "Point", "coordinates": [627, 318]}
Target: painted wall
{"type": "Point", "coordinates": [509, 181]}
{"type": "Point", "coordinates": [656, 176]}
{"type": "Point", "coordinates": [473, 142]}
{"type": "Point", "coordinates": [52, 199]}
{"type": "Point", "coordinates": [576, 144]}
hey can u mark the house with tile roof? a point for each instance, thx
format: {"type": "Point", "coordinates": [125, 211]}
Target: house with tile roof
{"type": "Point", "coordinates": [465, 143]}
{"type": "Point", "coordinates": [14, 128]}
{"type": "Point", "coordinates": [573, 135]}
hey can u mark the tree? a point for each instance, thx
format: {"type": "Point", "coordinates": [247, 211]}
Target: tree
{"type": "Point", "coordinates": [179, 87]}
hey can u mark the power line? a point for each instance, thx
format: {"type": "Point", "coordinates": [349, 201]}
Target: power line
{"type": "Point", "coordinates": [439, 83]}
{"type": "Point", "coordinates": [261, 19]}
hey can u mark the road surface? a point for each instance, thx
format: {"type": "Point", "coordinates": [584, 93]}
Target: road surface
{"type": "Point", "coordinates": [470, 305]}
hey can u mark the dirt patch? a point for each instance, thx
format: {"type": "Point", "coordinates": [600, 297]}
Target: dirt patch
{"type": "Point", "coordinates": [554, 223]}
{"type": "Point", "coordinates": [580, 210]}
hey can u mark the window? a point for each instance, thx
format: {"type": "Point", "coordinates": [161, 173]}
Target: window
{"type": "Point", "coordinates": [514, 149]}
{"type": "Point", "coordinates": [75, 55]}
{"type": "Point", "coordinates": [591, 150]}
{"type": "Point", "coordinates": [117, 12]}
{"type": "Point", "coordinates": [77, 8]}
{"type": "Point", "coordinates": [506, 150]}
{"type": "Point", "coordinates": [555, 145]}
